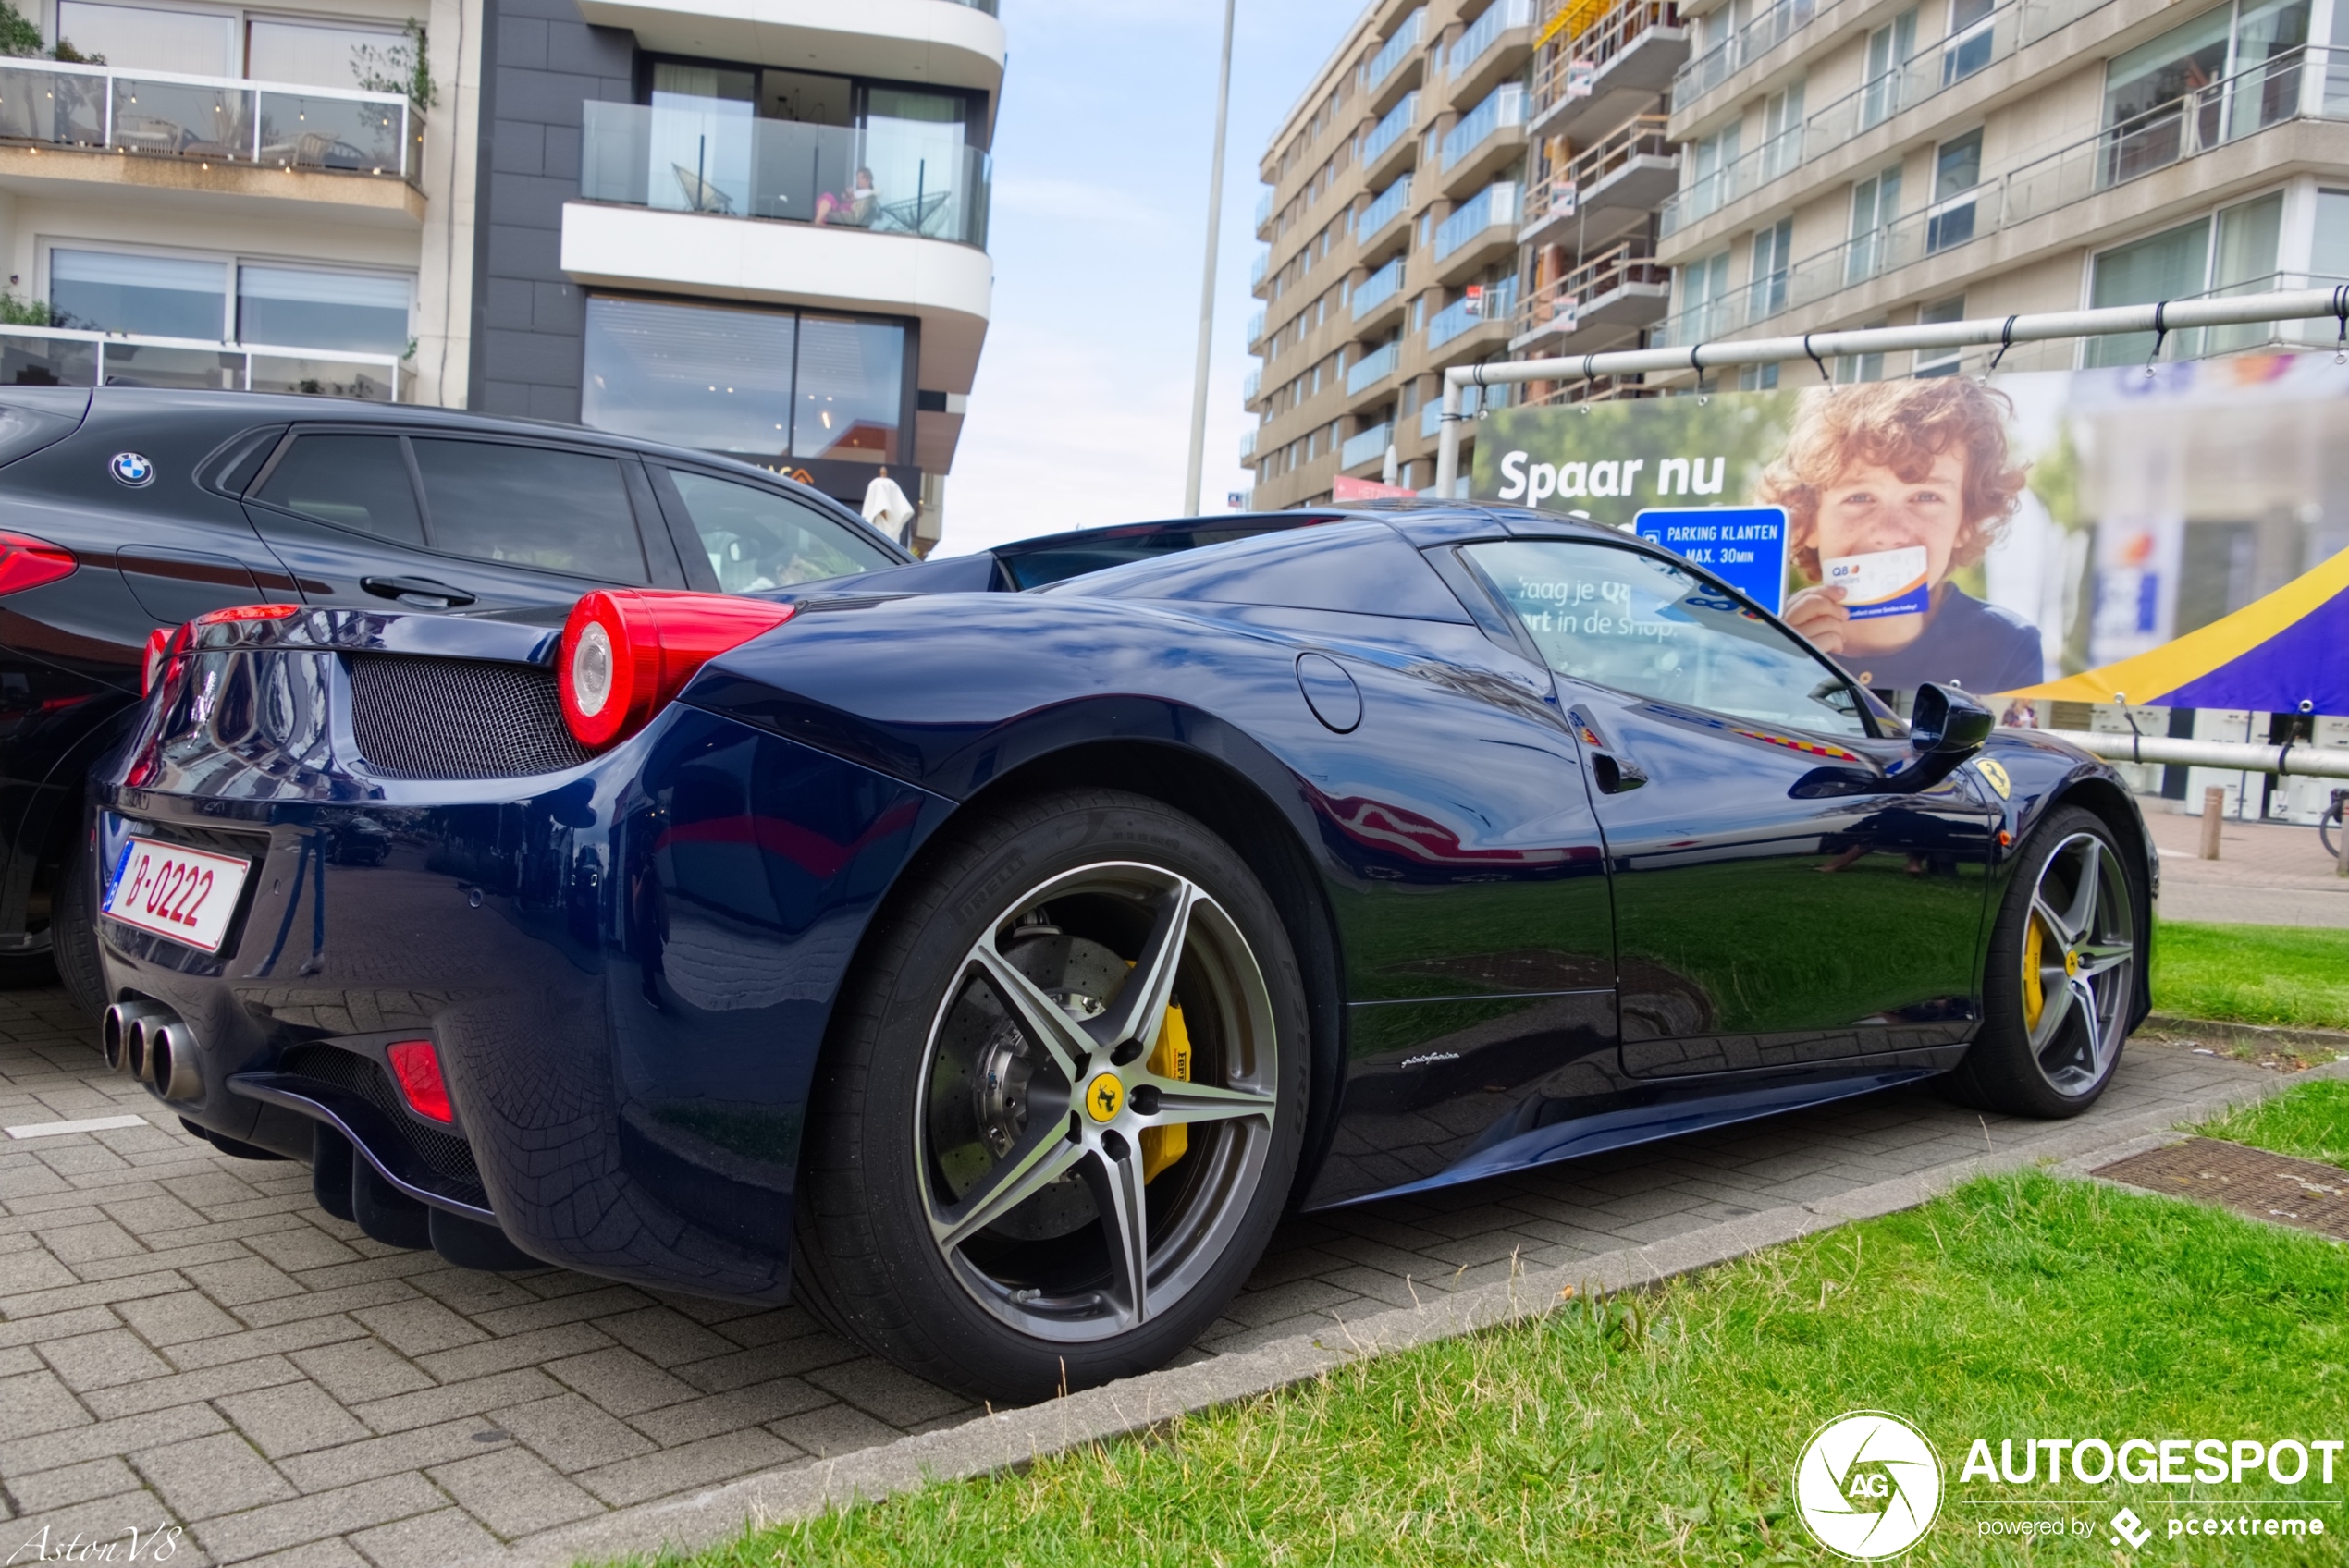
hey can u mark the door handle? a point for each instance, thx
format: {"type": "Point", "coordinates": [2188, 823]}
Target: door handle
{"type": "Point", "coordinates": [406, 589]}
{"type": "Point", "coordinates": [1613, 771]}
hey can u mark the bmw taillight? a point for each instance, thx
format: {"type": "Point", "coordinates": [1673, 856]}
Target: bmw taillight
{"type": "Point", "coordinates": [627, 653]}
{"type": "Point", "coordinates": [27, 562]}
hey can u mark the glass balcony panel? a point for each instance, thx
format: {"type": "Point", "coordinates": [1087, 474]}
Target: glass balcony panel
{"type": "Point", "coordinates": [1484, 32]}
{"type": "Point", "coordinates": [184, 120]}
{"type": "Point", "coordinates": [132, 363]}
{"type": "Point", "coordinates": [33, 359]}
{"type": "Point", "coordinates": [1373, 368]}
{"type": "Point", "coordinates": [1396, 49]}
{"type": "Point", "coordinates": [1464, 315]}
{"type": "Point", "coordinates": [1502, 108]}
{"type": "Point", "coordinates": [1378, 288]}
{"type": "Point", "coordinates": [1370, 447]}
{"type": "Point", "coordinates": [690, 160]}
{"type": "Point", "coordinates": [325, 378]}
{"type": "Point", "coordinates": [1393, 128]}
{"type": "Point", "coordinates": [1493, 204]}
{"type": "Point", "coordinates": [56, 109]}
{"type": "Point", "coordinates": [1384, 209]}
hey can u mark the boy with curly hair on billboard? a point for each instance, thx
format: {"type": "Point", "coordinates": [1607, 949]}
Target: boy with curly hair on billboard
{"type": "Point", "coordinates": [1890, 486]}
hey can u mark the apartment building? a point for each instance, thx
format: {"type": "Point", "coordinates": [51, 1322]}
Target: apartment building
{"type": "Point", "coordinates": [758, 229]}
{"type": "Point", "coordinates": [1465, 180]}
{"type": "Point", "coordinates": [1852, 162]}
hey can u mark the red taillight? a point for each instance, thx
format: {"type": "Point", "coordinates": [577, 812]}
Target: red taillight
{"type": "Point", "coordinates": [627, 652]}
{"type": "Point", "coordinates": [417, 1066]}
{"type": "Point", "coordinates": [246, 612]}
{"type": "Point", "coordinates": [27, 562]}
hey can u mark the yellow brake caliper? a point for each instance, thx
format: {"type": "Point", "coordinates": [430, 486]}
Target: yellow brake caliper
{"type": "Point", "coordinates": [1162, 1146]}
{"type": "Point", "coordinates": [2034, 998]}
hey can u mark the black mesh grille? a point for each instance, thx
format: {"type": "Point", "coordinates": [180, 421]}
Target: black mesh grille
{"type": "Point", "coordinates": [421, 717]}
{"type": "Point", "coordinates": [444, 1152]}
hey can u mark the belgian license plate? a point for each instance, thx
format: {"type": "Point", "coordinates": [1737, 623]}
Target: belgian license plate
{"type": "Point", "coordinates": [187, 895]}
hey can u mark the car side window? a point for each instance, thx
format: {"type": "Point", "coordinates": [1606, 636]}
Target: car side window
{"type": "Point", "coordinates": [757, 539]}
{"type": "Point", "coordinates": [537, 507]}
{"type": "Point", "coordinates": [1617, 617]}
{"type": "Point", "coordinates": [356, 482]}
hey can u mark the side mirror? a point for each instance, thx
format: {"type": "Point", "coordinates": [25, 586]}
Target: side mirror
{"type": "Point", "coordinates": [1945, 722]}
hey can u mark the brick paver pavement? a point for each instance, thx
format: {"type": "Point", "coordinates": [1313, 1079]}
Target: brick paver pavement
{"type": "Point", "coordinates": [2266, 872]}
{"type": "Point", "coordinates": [186, 1339]}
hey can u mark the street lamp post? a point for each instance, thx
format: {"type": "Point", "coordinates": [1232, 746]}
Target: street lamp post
{"type": "Point", "coordinates": [1207, 285]}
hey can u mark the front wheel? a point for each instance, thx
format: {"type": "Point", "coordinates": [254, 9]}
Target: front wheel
{"type": "Point", "coordinates": [2061, 977]}
{"type": "Point", "coordinates": [1062, 1106]}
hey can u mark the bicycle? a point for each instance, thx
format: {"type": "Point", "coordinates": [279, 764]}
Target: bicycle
{"type": "Point", "coordinates": [2331, 820]}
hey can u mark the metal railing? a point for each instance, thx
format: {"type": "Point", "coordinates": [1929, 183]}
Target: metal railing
{"type": "Point", "coordinates": [1258, 269]}
{"type": "Point", "coordinates": [1632, 261]}
{"type": "Point", "coordinates": [1484, 32]}
{"type": "Point", "coordinates": [1595, 45]}
{"type": "Point", "coordinates": [1388, 206]}
{"type": "Point", "coordinates": [210, 119]}
{"type": "Point", "coordinates": [1496, 206]}
{"type": "Point", "coordinates": [1497, 305]}
{"type": "Point", "coordinates": [1370, 447]}
{"type": "Point", "coordinates": [1255, 329]}
{"type": "Point", "coordinates": [1705, 194]}
{"type": "Point", "coordinates": [1388, 131]}
{"type": "Point", "coordinates": [1640, 136]}
{"type": "Point", "coordinates": [1264, 212]}
{"type": "Point", "coordinates": [1378, 288]}
{"type": "Point", "coordinates": [1500, 110]}
{"type": "Point", "coordinates": [1765, 32]}
{"type": "Point", "coordinates": [1374, 367]}
{"type": "Point", "coordinates": [684, 160]}
{"type": "Point", "coordinates": [1252, 384]}
{"type": "Point", "coordinates": [1248, 445]}
{"type": "Point", "coordinates": [1396, 50]}
{"type": "Point", "coordinates": [2311, 83]}
{"type": "Point", "coordinates": [54, 356]}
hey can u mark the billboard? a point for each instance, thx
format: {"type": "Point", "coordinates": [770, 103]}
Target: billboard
{"type": "Point", "coordinates": [1989, 533]}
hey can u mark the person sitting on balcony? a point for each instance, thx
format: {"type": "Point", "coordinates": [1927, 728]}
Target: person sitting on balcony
{"type": "Point", "coordinates": [856, 207]}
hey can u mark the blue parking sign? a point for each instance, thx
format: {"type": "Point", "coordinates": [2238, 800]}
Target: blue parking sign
{"type": "Point", "coordinates": [1745, 546]}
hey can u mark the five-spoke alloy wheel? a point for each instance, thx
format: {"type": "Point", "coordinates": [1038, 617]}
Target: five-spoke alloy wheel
{"type": "Point", "coordinates": [2062, 975]}
{"type": "Point", "coordinates": [1056, 1130]}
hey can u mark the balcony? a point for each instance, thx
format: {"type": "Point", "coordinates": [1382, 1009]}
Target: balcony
{"type": "Point", "coordinates": [1378, 296]}
{"type": "Point", "coordinates": [214, 134]}
{"type": "Point", "coordinates": [1485, 139]}
{"type": "Point", "coordinates": [1373, 368]}
{"type": "Point", "coordinates": [1396, 64]}
{"type": "Point", "coordinates": [1257, 269]}
{"type": "Point", "coordinates": [1375, 229]}
{"type": "Point", "coordinates": [1466, 241]}
{"type": "Point", "coordinates": [1252, 384]}
{"type": "Point", "coordinates": [1608, 189]}
{"type": "Point", "coordinates": [1494, 47]}
{"type": "Point", "coordinates": [1256, 329]}
{"type": "Point", "coordinates": [1623, 288]}
{"type": "Point", "coordinates": [1264, 214]}
{"type": "Point", "coordinates": [2311, 84]}
{"type": "Point", "coordinates": [35, 356]}
{"type": "Point", "coordinates": [1741, 49]}
{"type": "Point", "coordinates": [925, 42]}
{"type": "Point", "coordinates": [1607, 71]}
{"type": "Point", "coordinates": [684, 160]}
{"type": "Point", "coordinates": [1247, 446]}
{"type": "Point", "coordinates": [1487, 315]}
{"type": "Point", "coordinates": [1388, 146]}
{"type": "Point", "coordinates": [1370, 447]}
{"type": "Point", "coordinates": [1740, 177]}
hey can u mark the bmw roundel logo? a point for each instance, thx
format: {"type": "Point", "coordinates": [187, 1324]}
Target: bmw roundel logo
{"type": "Point", "coordinates": [132, 469]}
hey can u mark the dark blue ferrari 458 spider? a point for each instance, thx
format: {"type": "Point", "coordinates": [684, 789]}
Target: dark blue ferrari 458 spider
{"type": "Point", "coordinates": [992, 971]}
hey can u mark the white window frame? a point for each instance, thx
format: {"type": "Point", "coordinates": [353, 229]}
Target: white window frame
{"type": "Point", "coordinates": [230, 264]}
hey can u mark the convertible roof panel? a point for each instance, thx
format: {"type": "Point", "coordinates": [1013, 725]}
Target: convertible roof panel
{"type": "Point", "coordinates": [1365, 568]}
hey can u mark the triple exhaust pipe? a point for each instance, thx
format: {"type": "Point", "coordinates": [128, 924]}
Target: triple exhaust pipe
{"type": "Point", "coordinates": [155, 1046]}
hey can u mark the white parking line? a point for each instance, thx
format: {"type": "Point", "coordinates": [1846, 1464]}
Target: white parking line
{"type": "Point", "coordinates": [87, 1124]}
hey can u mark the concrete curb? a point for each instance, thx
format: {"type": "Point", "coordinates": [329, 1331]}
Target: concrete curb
{"type": "Point", "coordinates": [1011, 1438]}
{"type": "Point", "coordinates": [2167, 1026]}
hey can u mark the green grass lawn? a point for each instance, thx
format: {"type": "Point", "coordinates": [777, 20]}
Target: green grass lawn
{"type": "Point", "coordinates": [1665, 1427]}
{"type": "Point", "coordinates": [2308, 1121]}
{"type": "Point", "coordinates": [2252, 973]}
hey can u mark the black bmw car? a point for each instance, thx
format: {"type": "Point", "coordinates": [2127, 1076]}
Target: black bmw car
{"type": "Point", "coordinates": [992, 971]}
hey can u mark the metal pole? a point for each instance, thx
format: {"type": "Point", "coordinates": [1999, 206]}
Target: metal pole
{"type": "Point", "coordinates": [2176, 316]}
{"type": "Point", "coordinates": [2296, 760]}
{"type": "Point", "coordinates": [1207, 284]}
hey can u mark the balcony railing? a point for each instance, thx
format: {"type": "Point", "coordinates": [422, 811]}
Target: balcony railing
{"type": "Point", "coordinates": [1495, 206]}
{"type": "Point", "coordinates": [212, 119]}
{"type": "Point", "coordinates": [1501, 108]}
{"type": "Point", "coordinates": [1641, 136]}
{"type": "Point", "coordinates": [1258, 269]}
{"type": "Point", "coordinates": [1614, 268]}
{"type": "Point", "coordinates": [1388, 131]}
{"type": "Point", "coordinates": [1255, 329]}
{"type": "Point", "coordinates": [1263, 212]}
{"type": "Point", "coordinates": [1252, 384]}
{"type": "Point", "coordinates": [1497, 303]}
{"type": "Point", "coordinates": [1247, 446]}
{"type": "Point", "coordinates": [1368, 448]}
{"type": "Point", "coordinates": [1484, 32]}
{"type": "Point", "coordinates": [1384, 208]}
{"type": "Point", "coordinates": [49, 356]}
{"type": "Point", "coordinates": [1396, 49]}
{"type": "Point", "coordinates": [1594, 44]}
{"type": "Point", "coordinates": [2311, 83]}
{"type": "Point", "coordinates": [1933, 69]}
{"type": "Point", "coordinates": [1741, 48]}
{"type": "Point", "coordinates": [1373, 368]}
{"type": "Point", "coordinates": [1378, 288]}
{"type": "Point", "coordinates": [684, 160]}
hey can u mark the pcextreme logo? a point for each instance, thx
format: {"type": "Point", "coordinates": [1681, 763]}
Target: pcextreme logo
{"type": "Point", "coordinates": [1868, 1484]}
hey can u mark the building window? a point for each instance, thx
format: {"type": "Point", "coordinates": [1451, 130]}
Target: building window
{"type": "Point", "coordinates": [150, 296]}
{"type": "Point", "coordinates": [1939, 361]}
{"type": "Point", "coordinates": [361, 313]}
{"type": "Point", "coordinates": [146, 295]}
{"type": "Point", "coordinates": [2329, 256]}
{"type": "Point", "coordinates": [1876, 202]}
{"type": "Point", "coordinates": [1967, 49]}
{"type": "Point", "coordinates": [1861, 367]}
{"type": "Point", "coordinates": [761, 384]}
{"type": "Point", "coordinates": [2232, 250]}
{"type": "Point", "coordinates": [1773, 249]}
{"type": "Point", "coordinates": [1703, 286]}
{"type": "Point", "coordinates": [1889, 48]}
{"type": "Point", "coordinates": [1710, 159]}
{"type": "Point", "coordinates": [1757, 378]}
{"type": "Point", "coordinates": [2162, 101]}
{"type": "Point", "coordinates": [1957, 171]}
{"type": "Point", "coordinates": [134, 38]}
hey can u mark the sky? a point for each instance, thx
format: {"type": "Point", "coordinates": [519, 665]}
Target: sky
{"type": "Point", "coordinates": [1080, 414]}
